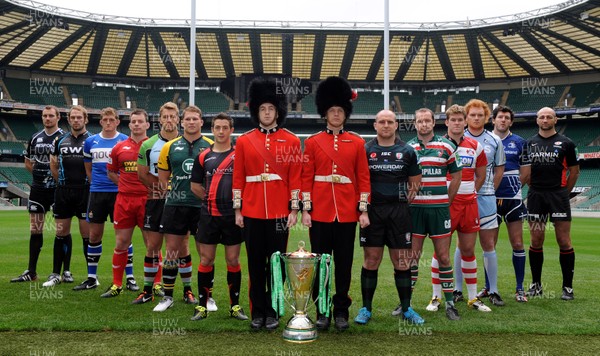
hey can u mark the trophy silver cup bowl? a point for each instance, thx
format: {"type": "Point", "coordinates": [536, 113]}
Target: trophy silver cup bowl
{"type": "Point", "coordinates": [300, 267]}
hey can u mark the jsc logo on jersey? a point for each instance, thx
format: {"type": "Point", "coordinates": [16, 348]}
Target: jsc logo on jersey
{"type": "Point", "coordinates": [187, 165]}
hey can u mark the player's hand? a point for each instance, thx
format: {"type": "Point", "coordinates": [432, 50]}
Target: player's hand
{"type": "Point", "coordinates": [239, 218]}
{"type": "Point", "coordinates": [306, 219]}
{"type": "Point", "coordinates": [363, 219]}
{"type": "Point", "coordinates": [292, 218]}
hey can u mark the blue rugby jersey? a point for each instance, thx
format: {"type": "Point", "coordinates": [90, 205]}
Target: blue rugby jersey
{"type": "Point", "coordinates": [97, 151]}
{"type": "Point", "coordinates": [510, 186]}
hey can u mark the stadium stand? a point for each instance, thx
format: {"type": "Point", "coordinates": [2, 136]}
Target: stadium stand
{"type": "Point", "coordinates": [22, 128]}
{"type": "Point", "coordinates": [98, 97]}
{"type": "Point", "coordinates": [42, 91]}
{"type": "Point", "coordinates": [211, 101]}
{"type": "Point", "coordinates": [17, 175]}
{"type": "Point", "coordinates": [12, 148]}
{"type": "Point", "coordinates": [525, 98]}
{"type": "Point", "coordinates": [585, 94]}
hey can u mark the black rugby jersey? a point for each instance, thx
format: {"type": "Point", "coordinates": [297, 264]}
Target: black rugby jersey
{"type": "Point", "coordinates": [38, 151]}
{"type": "Point", "coordinates": [69, 151]}
{"type": "Point", "coordinates": [214, 170]}
{"type": "Point", "coordinates": [550, 159]}
{"type": "Point", "coordinates": [390, 168]}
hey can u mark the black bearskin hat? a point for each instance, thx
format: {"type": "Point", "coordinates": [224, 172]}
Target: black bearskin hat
{"type": "Point", "coordinates": [334, 91]}
{"type": "Point", "coordinates": [263, 91]}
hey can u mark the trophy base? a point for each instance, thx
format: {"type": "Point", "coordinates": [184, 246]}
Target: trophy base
{"type": "Point", "coordinates": [300, 329]}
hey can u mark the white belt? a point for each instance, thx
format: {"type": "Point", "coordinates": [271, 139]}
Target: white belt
{"type": "Point", "coordinates": [263, 177]}
{"type": "Point", "coordinates": [333, 178]}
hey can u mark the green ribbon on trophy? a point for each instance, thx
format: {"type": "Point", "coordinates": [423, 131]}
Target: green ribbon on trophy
{"type": "Point", "coordinates": [277, 284]}
{"type": "Point", "coordinates": [325, 273]}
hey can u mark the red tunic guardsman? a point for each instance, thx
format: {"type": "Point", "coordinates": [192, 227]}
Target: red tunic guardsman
{"type": "Point", "coordinates": [335, 191]}
{"type": "Point", "coordinates": [266, 188]}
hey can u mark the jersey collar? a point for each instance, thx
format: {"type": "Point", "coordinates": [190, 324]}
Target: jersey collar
{"type": "Point", "coordinates": [268, 131]}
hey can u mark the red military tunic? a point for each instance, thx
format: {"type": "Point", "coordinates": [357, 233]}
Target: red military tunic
{"type": "Point", "coordinates": [335, 193]}
{"type": "Point", "coordinates": [266, 190]}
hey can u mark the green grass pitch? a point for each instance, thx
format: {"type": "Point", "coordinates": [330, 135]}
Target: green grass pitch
{"type": "Point", "coordinates": [35, 320]}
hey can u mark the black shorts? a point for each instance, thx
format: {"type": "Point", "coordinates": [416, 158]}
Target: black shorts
{"type": "Point", "coordinates": [178, 220]}
{"type": "Point", "coordinates": [390, 226]}
{"type": "Point", "coordinates": [100, 206]}
{"type": "Point", "coordinates": [548, 204]}
{"type": "Point", "coordinates": [153, 215]}
{"type": "Point", "coordinates": [510, 210]}
{"type": "Point", "coordinates": [71, 201]}
{"type": "Point", "coordinates": [213, 230]}
{"type": "Point", "coordinates": [40, 200]}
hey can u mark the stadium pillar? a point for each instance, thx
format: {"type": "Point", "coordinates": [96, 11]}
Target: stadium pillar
{"type": "Point", "coordinates": [192, 87]}
{"type": "Point", "coordinates": [386, 55]}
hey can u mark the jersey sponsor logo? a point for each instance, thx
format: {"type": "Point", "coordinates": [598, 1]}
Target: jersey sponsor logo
{"type": "Point", "coordinates": [386, 153]}
{"type": "Point", "coordinates": [187, 165]}
{"type": "Point", "coordinates": [559, 215]}
{"type": "Point", "coordinates": [178, 148]}
{"type": "Point", "coordinates": [101, 154]}
{"type": "Point", "coordinates": [126, 147]}
{"type": "Point", "coordinates": [432, 171]}
{"type": "Point", "coordinates": [130, 166]}
{"type": "Point", "coordinates": [373, 155]}
{"type": "Point", "coordinates": [466, 161]}
{"type": "Point", "coordinates": [210, 159]}
{"type": "Point", "coordinates": [72, 150]}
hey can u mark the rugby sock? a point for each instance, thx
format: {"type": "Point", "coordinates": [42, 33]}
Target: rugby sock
{"type": "Point", "coordinates": [447, 282]}
{"type": "Point", "coordinates": [58, 256]}
{"type": "Point", "coordinates": [94, 253]}
{"type": "Point", "coordinates": [185, 271]}
{"type": "Point", "coordinates": [403, 285]}
{"type": "Point", "coordinates": [212, 281]}
{"type": "Point", "coordinates": [118, 266]}
{"type": "Point", "coordinates": [518, 261]}
{"type": "Point", "coordinates": [435, 277]}
{"type": "Point", "coordinates": [469, 271]}
{"type": "Point", "coordinates": [68, 249]}
{"type": "Point", "coordinates": [567, 265]}
{"type": "Point", "coordinates": [204, 283]}
{"type": "Point", "coordinates": [458, 274]}
{"type": "Point", "coordinates": [86, 242]}
{"type": "Point", "coordinates": [485, 274]}
{"type": "Point", "coordinates": [536, 260]}
{"type": "Point", "coordinates": [414, 275]}
{"type": "Point", "coordinates": [234, 282]}
{"type": "Point", "coordinates": [36, 241]}
{"type": "Point", "coordinates": [159, 264]}
{"type": "Point", "coordinates": [129, 264]}
{"type": "Point", "coordinates": [368, 284]}
{"type": "Point", "coordinates": [490, 262]}
{"type": "Point", "coordinates": [170, 268]}
{"type": "Point", "coordinates": [150, 269]}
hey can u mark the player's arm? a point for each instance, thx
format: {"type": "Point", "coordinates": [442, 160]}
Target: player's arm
{"type": "Point", "coordinates": [414, 184]}
{"type": "Point", "coordinates": [88, 170]}
{"type": "Point", "coordinates": [498, 172]}
{"type": "Point", "coordinates": [572, 178]}
{"type": "Point", "coordinates": [455, 178]}
{"type": "Point", "coordinates": [143, 169]}
{"type": "Point", "coordinates": [54, 167]}
{"type": "Point", "coordinates": [197, 178]}
{"type": "Point", "coordinates": [28, 160]}
{"type": "Point", "coordinates": [480, 177]}
{"type": "Point", "coordinates": [113, 176]}
{"type": "Point", "coordinates": [524, 174]}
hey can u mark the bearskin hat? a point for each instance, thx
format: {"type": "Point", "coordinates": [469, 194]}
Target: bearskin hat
{"type": "Point", "coordinates": [262, 91]}
{"type": "Point", "coordinates": [334, 91]}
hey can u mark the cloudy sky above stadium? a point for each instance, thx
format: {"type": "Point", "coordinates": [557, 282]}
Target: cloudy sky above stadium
{"type": "Point", "coordinates": [309, 10]}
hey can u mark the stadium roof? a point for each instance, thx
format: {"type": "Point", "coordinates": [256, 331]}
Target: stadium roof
{"type": "Point", "coordinates": [559, 40]}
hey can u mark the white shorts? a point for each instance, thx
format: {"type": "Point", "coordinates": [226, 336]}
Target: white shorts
{"type": "Point", "coordinates": [487, 212]}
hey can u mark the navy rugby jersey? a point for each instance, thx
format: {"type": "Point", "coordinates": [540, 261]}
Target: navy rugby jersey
{"type": "Point", "coordinates": [510, 185]}
{"type": "Point", "coordinates": [69, 151]}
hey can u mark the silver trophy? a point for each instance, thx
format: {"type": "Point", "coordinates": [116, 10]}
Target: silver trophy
{"type": "Point", "coordinates": [300, 267]}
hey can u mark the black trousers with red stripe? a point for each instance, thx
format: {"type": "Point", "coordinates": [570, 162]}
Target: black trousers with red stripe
{"type": "Point", "coordinates": [263, 237]}
{"type": "Point", "coordinates": [338, 239]}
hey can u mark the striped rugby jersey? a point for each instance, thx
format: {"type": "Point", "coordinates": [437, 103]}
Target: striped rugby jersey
{"type": "Point", "coordinates": [436, 158]}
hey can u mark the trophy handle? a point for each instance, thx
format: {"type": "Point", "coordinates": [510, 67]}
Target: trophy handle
{"type": "Point", "coordinates": [277, 284]}
{"type": "Point", "coordinates": [323, 301]}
